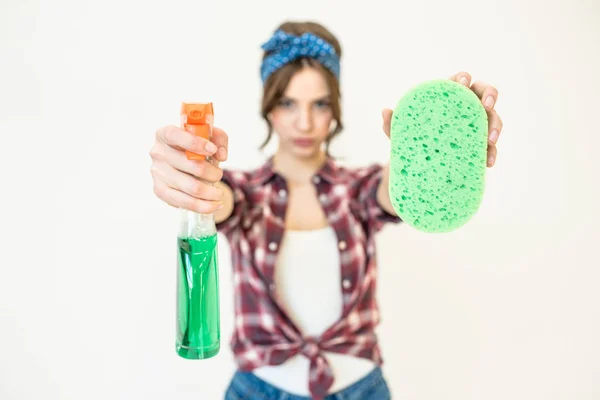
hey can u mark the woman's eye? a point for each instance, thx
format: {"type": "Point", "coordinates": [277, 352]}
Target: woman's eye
{"type": "Point", "coordinates": [285, 103]}
{"type": "Point", "coordinates": [322, 104]}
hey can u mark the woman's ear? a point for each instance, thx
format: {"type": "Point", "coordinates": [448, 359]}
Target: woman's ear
{"type": "Point", "coordinates": [332, 125]}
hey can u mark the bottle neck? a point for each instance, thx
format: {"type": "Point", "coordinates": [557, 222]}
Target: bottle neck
{"type": "Point", "coordinates": [196, 225]}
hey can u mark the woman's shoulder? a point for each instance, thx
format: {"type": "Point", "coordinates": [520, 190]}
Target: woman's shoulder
{"type": "Point", "coordinates": [248, 177]}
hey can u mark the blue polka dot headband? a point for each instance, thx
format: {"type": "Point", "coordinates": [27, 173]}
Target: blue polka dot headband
{"type": "Point", "coordinates": [285, 48]}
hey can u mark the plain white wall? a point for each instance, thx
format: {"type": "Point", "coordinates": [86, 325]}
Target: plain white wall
{"type": "Point", "coordinates": [505, 308]}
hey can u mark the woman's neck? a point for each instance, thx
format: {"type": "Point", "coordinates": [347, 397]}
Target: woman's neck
{"type": "Point", "coordinates": [298, 169]}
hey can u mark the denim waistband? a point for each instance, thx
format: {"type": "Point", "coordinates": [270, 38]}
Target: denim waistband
{"type": "Point", "coordinates": [255, 388]}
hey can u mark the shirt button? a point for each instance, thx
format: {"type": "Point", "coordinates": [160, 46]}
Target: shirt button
{"type": "Point", "coordinates": [282, 193]}
{"type": "Point", "coordinates": [272, 246]}
{"type": "Point", "coordinates": [316, 179]}
{"type": "Point", "coordinates": [342, 245]}
{"type": "Point", "coordinates": [346, 283]}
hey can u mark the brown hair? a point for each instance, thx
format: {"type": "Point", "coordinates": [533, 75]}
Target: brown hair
{"type": "Point", "coordinates": [276, 84]}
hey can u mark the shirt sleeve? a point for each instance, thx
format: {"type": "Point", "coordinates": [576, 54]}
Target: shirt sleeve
{"type": "Point", "coordinates": [237, 181]}
{"type": "Point", "coordinates": [368, 179]}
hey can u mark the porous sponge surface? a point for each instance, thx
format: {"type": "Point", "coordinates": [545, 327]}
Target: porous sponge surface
{"type": "Point", "coordinates": [438, 156]}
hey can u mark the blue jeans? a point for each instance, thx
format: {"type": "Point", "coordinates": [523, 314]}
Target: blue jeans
{"type": "Point", "coordinates": [247, 386]}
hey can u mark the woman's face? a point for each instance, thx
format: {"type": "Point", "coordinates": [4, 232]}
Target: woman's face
{"type": "Point", "coordinates": [303, 116]}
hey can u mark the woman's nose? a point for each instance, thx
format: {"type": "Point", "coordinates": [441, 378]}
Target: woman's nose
{"type": "Point", "coordinates": [304, 121]}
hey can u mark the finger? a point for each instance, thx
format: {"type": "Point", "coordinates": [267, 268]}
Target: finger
{"type": "Point", "coordinates": [186, 183]}
{"type": "Point", "coordinates": [464, 78]}
{"type": "Point", "coordinates": [221, 140]}
{"type": "Point", "coordinates": [494, 126]}
{"type": "Point", "coordinates": [487, 93]}
{"type": "Point", "coordinates": [181, 139]}
{"type": "Point", "coordinates": [387, 120]}
{"type": "Point", "coordinates": [491, 155]}
{"type": "Point", "coordinates": [202, 169]}
{"type": "Point", "coordinates": [179, 199]}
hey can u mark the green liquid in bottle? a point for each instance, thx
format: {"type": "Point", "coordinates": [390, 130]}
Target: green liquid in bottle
{"type": "Point", "coordinates": [198, 322]}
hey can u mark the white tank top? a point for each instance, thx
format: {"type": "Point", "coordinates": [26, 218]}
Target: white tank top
{"type": "Point", "coordinates": [302, 281]}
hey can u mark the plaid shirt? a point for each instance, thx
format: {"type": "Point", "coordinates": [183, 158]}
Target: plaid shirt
{"type": "Point", "coordinates": [263, 333]}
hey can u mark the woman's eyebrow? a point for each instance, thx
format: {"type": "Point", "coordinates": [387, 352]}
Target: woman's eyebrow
{"type": "Point", "coordinates": [327, 97]}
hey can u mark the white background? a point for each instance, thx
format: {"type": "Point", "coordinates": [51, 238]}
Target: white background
{"type": "Point", "coordinates": [505, 308]}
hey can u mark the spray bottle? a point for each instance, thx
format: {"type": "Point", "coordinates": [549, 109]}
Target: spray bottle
{"type": "Point", "coordinates": [198, 313]}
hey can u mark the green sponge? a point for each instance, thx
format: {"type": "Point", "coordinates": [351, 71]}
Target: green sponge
{"type": "Point", "coordinates": [438, 156]}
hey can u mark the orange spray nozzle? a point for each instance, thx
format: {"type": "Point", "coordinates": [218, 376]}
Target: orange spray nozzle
{"type": "Point", "coordinates": [197, 118]}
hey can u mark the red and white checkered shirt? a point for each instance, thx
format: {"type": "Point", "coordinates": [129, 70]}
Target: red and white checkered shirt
{"type": "Point", "coordinates": [263, 333]}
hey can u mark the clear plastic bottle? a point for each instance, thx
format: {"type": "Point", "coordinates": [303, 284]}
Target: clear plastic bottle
{"type": "Point", "coordinates": [198, 312]}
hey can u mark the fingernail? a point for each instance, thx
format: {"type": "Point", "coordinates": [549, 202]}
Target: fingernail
{"type": "Point", "coordinates": [219, 206]}
{"type": "Point", "coordinates": [489, 102]}
{"type": "Point", "coordinates": [494, 136]}
{"type": "Point", "coordinates": [210, 147]}
{"type": "Point", "coordinates": [491, 161]}
{"type": "Point", "coordinates": [464, 80]}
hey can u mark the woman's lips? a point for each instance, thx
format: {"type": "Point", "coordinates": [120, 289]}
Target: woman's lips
{"type": "Point", "coordinates": [304, 142]}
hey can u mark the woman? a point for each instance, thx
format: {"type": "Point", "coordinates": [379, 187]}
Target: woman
{"type": "Point", "coordinates": [305, 320]}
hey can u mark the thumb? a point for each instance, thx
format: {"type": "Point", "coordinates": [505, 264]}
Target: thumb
{"type": "Point", "coordinates": [387, 120]}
